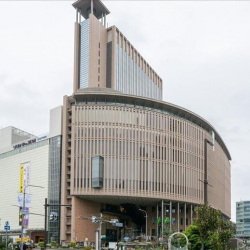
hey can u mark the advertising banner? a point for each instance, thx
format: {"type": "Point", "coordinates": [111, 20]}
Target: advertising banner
{"type": "Point", "coordinates": [26, 220]}
{"type": "Point", "coordinates": [27, 200]}
{"type": "Point", "coordinates": [21, 179]}
{"type": "Point", "coordinates": [24, 182]}
{"type": "Point", "coordinates": [26, 174]}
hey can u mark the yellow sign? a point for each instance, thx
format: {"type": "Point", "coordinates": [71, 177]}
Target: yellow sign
{"type": "Point", "coordinates": [24, 239]}
{"type": "Point", "coordinates": [21, 178]}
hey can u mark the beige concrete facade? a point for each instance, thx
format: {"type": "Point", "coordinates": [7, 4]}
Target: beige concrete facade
{"type": "Point", "coordinates": [98, 44]}
{"type": "Point", "coordinates": [76, 57]}
{"type": "Point", "coordinates": [153, 151]}
{"type": "Point", "coordinates": [152, 154]}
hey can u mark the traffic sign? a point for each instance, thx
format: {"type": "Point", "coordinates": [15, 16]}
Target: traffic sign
{"type": "Point", "coordinates": [53, 216]}
{"type": "Point", "coordinates": [6, 228]}
{"type": "Point", "coordinates": [119, 224]}
{"type": "Point", "coordinates": [95, 219]}
{"type": "Point", "coordinates": [6, 223]}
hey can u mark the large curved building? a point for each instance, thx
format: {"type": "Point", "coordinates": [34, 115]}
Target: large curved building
{"type": "Point", "coordinates": [124, 149]}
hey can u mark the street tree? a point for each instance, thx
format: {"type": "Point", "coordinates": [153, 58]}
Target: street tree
{"type": "Point", "coordinates": [207, 222]}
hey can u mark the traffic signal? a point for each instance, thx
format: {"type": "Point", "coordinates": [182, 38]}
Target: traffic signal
{"type": "Point", "coordinates": [20, 216]}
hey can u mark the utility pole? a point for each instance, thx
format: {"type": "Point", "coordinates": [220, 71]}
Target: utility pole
{"type": "Point", "coordinates": [6, 239]}
{"type": "Point", "coordinates": [6, 227]}
{"type": "Point", "coordinates": [98, 238]}
{"type": "Point", "coordinates": [100, 234]}
{"type": "Point", "coordinates": [45, 222]}
{"type": "Point", "coordinates": [23, 211]}
{"type": "Point", "coordinates": [46, 205]}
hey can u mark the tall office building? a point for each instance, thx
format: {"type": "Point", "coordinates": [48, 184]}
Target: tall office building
{"type": "Point", "coordinates": [124, 149]}
{"type": "Point", "coordinates": [104, 58]}
{"type": "Point", "coordinates": [243, 219]}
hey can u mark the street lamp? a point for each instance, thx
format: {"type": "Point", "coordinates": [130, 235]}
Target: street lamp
{"type": "Point", "coordinates": [146, 216]}
{"type": "Point", "coordinates": [23, 208]}
{"type": "Point", "coordinates": [98, 236]}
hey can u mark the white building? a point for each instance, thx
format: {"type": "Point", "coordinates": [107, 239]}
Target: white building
{"type": "Point", "coordinates": [18, 147]}
{"type": "Point", "coordinates": [38, 155]}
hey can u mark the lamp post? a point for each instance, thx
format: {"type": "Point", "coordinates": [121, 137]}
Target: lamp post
{"type": "Point", "coordinates": [46, 205]}
{"type": "Point", "coordinates": [23, 208]}
{"type": "Point", "coordinates": [100, 232]}
{"type": "Point", "coordinates": [146, 216]}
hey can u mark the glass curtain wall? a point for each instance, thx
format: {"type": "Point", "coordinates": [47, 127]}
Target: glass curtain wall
{"type": "Point", "coordinates": [54, 193]}
{"type": "Point", "coordinates": [131, 79]}
{"type": "Point", "coordinates": [84, 54]}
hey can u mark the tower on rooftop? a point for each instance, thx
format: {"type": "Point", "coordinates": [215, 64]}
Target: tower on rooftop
{"type": "Point", "coordinates": [104, 58]}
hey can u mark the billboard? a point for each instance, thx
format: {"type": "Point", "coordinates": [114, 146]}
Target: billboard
{"type": "Point", "coordinates": [24, 182]}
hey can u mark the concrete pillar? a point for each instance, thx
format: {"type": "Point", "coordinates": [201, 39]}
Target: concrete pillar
{"type": "Point", "coordinates": [92, 7]}
{"type": "Point", "coordinates": [105, 20]}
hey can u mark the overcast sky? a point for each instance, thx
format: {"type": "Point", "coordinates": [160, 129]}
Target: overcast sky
{"type": "Point", "coordinates": [201, 50]}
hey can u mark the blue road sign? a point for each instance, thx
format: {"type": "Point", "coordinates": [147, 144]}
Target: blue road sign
{"type": "Point", "coordinates": [6, 223]}
{"type": "Point", "coordinates": [6, 228]}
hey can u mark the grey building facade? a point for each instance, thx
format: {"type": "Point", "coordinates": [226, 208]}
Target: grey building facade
{"type": "Point", "coordinates": [243, 219]}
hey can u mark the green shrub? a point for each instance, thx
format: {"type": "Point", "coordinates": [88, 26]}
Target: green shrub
{"type": "Point", "coordinates": [72, 244]}
{"type": "Point", "coordinates": [149, 245]}
{"type": "Point", "coordinates": [87, 248]}
{"type": "Point", "coordinates": [65, 246]}
{"type": "Point", "coordinates": [41, 244]}
{"type": "Point", "coordinates": [53, 243]}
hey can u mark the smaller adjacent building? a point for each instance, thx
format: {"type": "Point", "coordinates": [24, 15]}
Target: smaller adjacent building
{"type": "Point", "coordinates": [27, 159]}
{"type": "Point", "coordinates": [243, 219]}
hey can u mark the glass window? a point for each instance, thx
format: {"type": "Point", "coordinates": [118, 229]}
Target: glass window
{"type": "Point", "coordinates": [97, 171]}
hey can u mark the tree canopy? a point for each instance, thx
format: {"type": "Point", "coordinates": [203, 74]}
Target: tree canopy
{"type": "Point", "coordinates": [209, 231]}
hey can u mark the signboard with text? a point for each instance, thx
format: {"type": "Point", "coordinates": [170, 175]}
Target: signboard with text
{"type": "Point", "coordinates": [24, 182]}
